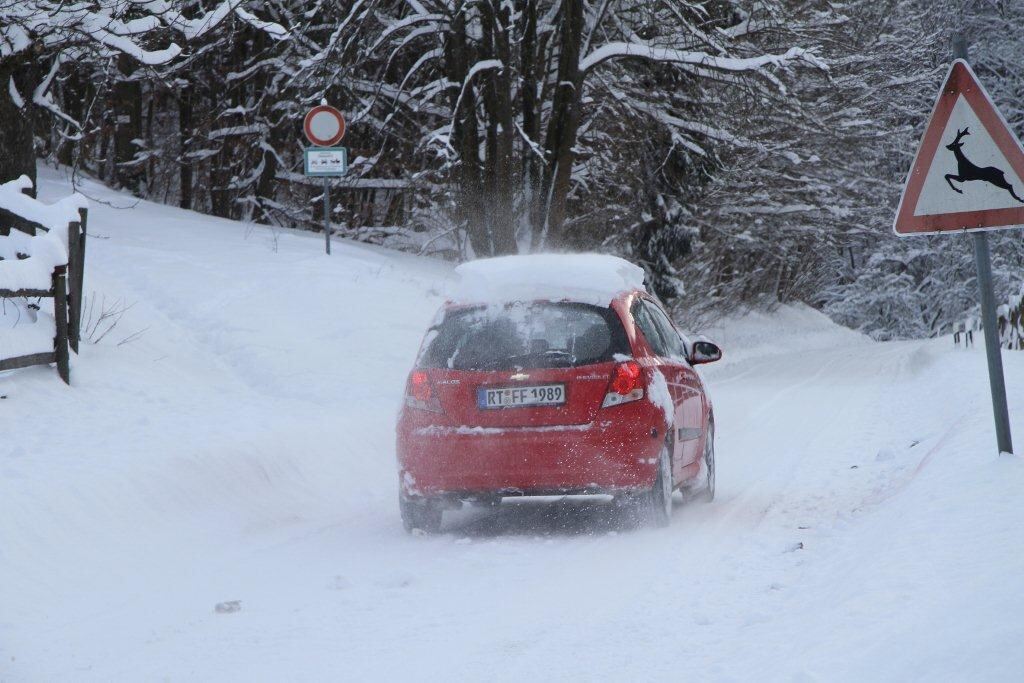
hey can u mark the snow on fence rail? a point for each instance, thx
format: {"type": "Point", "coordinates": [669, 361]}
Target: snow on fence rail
{"type": "Point", "coordinates": [42, 255]}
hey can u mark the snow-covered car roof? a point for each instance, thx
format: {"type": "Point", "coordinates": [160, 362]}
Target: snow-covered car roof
{"type": "Point", "coordinates": [587, 278]}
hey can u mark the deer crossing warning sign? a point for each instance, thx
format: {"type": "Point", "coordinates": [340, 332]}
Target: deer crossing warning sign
{"type": "Point", "coordinates": [969, 171]}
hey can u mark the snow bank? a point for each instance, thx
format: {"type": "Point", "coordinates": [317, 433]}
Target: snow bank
{"type": "Point", "coordinates": [47, 250]}
{"type": "Point", "coordinates": [792, 328]}
{"type": "Point", "coordinates": [586, 278]}
{"type": "Point", "coordinates": [242, 449]}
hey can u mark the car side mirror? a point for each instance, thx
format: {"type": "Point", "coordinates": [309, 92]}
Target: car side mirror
{"type": "Point", "coordinates": [704, 352]}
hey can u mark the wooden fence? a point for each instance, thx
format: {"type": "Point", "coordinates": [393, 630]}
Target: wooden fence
{"type": "Point", "coordinates": [1010, 320]}
{"type": "Point", "coordinates": [1009, 324]}
{"type": "Point", "coordinates": [65, 290]}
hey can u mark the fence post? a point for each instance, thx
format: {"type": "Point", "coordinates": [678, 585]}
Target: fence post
{"type": "Point", "coordinates": [80, 275]}
{"type": "Point", "coordinates": [74, 295]}
{"type": "Point", "coordinates": [60, 316]}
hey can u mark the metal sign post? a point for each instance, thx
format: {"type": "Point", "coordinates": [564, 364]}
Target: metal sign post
{"type": "Point", "coordinates": [326, 163]}
{"type": "Point", "coordinates": [983, 262]}
{"type": "Point", "coordinates": [992, 350]}
{"type": "Point", "coordinates": [324, 126]}
{"type": "Point", "coordinates": [327, 215]}
{"type": "Point", "coordinates": [968, 176]}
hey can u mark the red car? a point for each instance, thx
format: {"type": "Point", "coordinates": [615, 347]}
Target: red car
{"type": "Point", "coordinates": [555, 396]}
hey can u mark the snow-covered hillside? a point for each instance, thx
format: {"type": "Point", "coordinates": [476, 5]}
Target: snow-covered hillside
{"type": "Point", "coordinates": [239, 447]}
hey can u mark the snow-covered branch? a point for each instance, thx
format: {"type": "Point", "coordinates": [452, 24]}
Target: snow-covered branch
{"type": "Point", "coordinates": [619, 50]}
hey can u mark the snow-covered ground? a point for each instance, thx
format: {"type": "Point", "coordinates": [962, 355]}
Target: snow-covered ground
{"type": "Point", "coordinates": [239, 447]}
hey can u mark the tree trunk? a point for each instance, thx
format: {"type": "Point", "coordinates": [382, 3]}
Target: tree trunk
{"type": "Point", "coordinates": [465, 140]}
{"type": "Point", "coordinates": [151, 169]}
{"type": "Point", "coordinates": [72, 97]}
{"type": "Point", "coordinates": [220, 163]}
{"type": "Point", "coordinates": [267, 184]}
{"type": "Point", "coordinates": [184, 139]}
{"type": "Point", "coordinates": [564, 123]}
{"type": "Point", "coordinates": [127, 127]}
{"type": "Point", "coordinates": [532, 51]}
{"type": "Point", "coordinates": [498, 105]}
{"type": "Point", "coordinates": [17, 146]}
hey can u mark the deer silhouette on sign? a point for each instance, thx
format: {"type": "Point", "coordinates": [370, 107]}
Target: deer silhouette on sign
{"type": "Point", "coordinates": [966, 170]}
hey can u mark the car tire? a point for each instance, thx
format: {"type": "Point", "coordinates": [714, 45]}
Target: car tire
{"type": "Point", "coordinates": [654, 506]}
{"type": "Point", "coordinates": [420, 513]}
{"type": "Point", "coordinates": [708, 494]}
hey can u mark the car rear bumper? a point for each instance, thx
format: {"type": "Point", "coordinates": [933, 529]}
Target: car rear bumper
{"type": "Point", "coordinates": [604, 456]}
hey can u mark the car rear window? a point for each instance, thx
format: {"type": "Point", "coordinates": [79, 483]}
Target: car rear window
{"type": "Point", "coordinates": [524, 335]}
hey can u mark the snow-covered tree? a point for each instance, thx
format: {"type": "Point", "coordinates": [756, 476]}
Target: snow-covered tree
{"type": "Point", "coordinates": [524, 102]}
{"type": "Point", "coordinates": [37, 37]}
{"type": "Point", "coordinates": [919, 286]}
{"type": "Point", "coordinates": [747, 152]}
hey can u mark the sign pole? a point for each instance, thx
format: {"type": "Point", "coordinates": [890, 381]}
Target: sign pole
{"type": "Point", "coordinates": [983, 262]}
{"type": "Point", "coordinates": [327, 214]}
{"type": "Point", "coordinates": [992, 350]}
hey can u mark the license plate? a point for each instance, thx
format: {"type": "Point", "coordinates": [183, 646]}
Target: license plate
{"type": "Point", "coordinates": [518, 397]}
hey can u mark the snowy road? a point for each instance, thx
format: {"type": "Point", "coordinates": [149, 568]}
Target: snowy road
{"type": "Point", "coordinates": [242, 449]}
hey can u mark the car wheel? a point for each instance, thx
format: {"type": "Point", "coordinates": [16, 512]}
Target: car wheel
{"type": "Point", "coordinates": [655, 504]}
{"type": "Point", "coordinates": [709, 463]}
{"type": "Point", "coordinates": [420, 513]}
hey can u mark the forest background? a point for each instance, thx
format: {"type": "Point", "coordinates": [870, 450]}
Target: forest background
{"type": "Point", "coordinates": [745, 153]}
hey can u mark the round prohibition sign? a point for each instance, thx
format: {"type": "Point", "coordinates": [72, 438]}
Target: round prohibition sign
{"type": "Point", "coordinates": [324, 126]}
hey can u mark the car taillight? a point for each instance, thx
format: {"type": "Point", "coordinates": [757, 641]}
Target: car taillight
{"type": "Point", "coordinates": [419, 394]}
{"type": "Point", "coordinates": [419, 386]}
{"type": "Point", "coordinates": [626, 385]}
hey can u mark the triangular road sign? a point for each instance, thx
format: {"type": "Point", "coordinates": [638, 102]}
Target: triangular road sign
{"type": "Point", "coordinates": [969, 170]}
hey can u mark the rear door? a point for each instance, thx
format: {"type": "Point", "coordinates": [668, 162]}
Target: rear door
{"type": "Point", "coordinates": [659, 345]}
{"type": "Point", "coordinates": [684, 385]}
